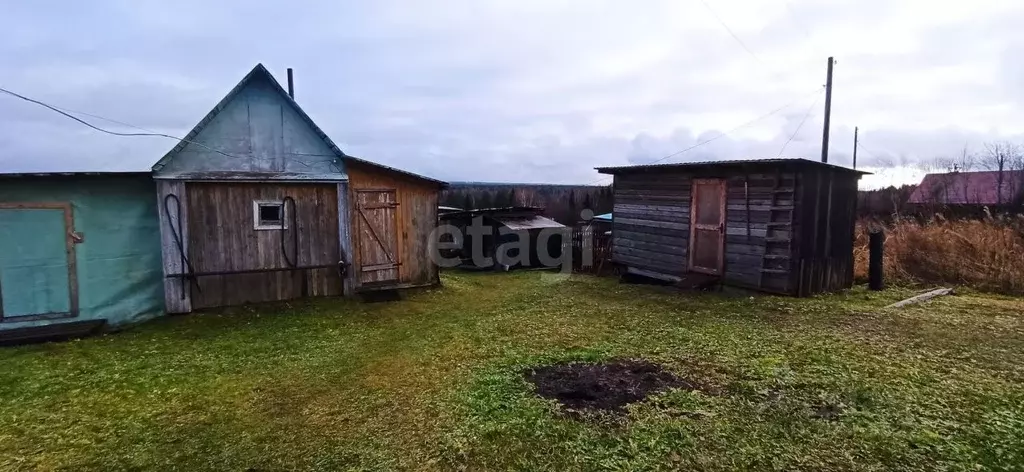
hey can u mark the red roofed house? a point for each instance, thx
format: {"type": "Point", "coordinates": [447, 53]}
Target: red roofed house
{"type": "Point", "coordinates": [969, 188]}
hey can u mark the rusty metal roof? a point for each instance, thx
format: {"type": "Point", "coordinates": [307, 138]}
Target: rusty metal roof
{"type": "Point", "coordinates": [705, 165]}
{"type": "Point", "coordinates": [968, 188]}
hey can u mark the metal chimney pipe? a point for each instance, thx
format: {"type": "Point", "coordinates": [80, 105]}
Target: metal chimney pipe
{"type": "Point", "coordinates": [291, 84]}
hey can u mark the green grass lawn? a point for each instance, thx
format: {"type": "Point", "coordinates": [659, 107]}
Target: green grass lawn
{"type": "Point", "coordinates": [436, 382]}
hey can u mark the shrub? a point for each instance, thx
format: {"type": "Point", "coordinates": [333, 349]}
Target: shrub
{"type": "Point", "coordinates": [985, 254]}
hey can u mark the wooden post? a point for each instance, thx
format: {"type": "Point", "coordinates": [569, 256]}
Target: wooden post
{"type": "Point", "coordinates": [828, 113]}
{"type": "Point", "coordinates": [855, 130]}
{"type": "Point", "coordinates": [876, 243]}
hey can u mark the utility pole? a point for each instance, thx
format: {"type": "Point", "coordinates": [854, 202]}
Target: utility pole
{"type": "Point", "coordinates": [828, 112]}
{"type": "Point", "coordinates": [854, 147]}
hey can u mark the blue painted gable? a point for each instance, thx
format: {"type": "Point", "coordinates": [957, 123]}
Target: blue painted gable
{"type": "Point", "coordinates": [256, 132]}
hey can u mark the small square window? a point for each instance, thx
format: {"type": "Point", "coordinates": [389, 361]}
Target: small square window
{"type": "Point", "coordinates": [269, 215]}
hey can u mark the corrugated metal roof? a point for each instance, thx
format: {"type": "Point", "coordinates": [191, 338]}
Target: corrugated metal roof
{"type": "Point", "coordinates": [495, 212]}
{"type": "Point", "coordinates": [968, 188]}
{"type": "Point", "coordinates": [517, 223]}
{"type": "Point", "coordinates": [22, 175]}
{"type": "Point", "coordinates": [357, 160]}
{"type": "Point", "coordinates": [734, 163]}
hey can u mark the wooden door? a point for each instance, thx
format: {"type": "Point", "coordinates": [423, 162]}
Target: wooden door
{"type": "Point", "coordinates": [37, 261]}
{"type": "Point", "coordinates": [707, 226]}
{"type": "Point", "coordinates": [377, 236]}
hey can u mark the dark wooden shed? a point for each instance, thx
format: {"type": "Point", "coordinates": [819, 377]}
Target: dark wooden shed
{"type": "Point", "coordinates": [776, 225]}
{"type": "Point", "coordinates": [509, 231]}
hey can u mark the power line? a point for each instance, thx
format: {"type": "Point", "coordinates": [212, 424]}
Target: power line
{"type": "Point", "coordinates": [147, 133]}
{"type": "Point", "coordinates": [720, 135]}
{"type": "Point", "coordinates": [731, 32]}
{"type": "Point", "coordinates": [801, 125]}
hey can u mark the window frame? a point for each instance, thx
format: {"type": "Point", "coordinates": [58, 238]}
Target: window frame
{"type": "Point", "coordinates": [259, 225]}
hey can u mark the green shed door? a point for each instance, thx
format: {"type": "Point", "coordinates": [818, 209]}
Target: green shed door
{"type": "Point", "coordinates": [34, 262]}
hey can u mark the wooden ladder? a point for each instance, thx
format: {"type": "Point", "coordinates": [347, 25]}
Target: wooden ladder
{"type": "Point", "coordinates": [780, 219]}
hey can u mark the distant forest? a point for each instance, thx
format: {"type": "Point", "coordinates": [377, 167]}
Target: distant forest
{"type": "Point", "coordinates": [562, 203]}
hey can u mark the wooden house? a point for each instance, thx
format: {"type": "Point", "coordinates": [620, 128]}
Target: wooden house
{"type": "Point", "coordinates": [776, 225]}
{"type": "Point", "coordinates": [517, 227]}
{"type": "Point", "coordinates": [77, 251]}
{"type": "Point", "coordinates": [256, 204]}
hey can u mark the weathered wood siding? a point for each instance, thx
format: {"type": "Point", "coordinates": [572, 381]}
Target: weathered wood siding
{"type": "Point", "coordinates": [827, 214]}
{"type": "Point", "coordinates": [651, 223]}
{"type": "Point", "coordinates": [759, 217]}
{"type": "Point", "coordinates": [651, 226]}
{"type": "Point", "coordinates": [416, 218]}
{"type": "Point", "coordinates": [221, 238]}
{"type": "Point", "coordinates": [174, 231]}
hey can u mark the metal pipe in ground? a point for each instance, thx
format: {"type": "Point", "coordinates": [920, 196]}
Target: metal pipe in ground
{"type": "Point", "coordinates": [876, 245]}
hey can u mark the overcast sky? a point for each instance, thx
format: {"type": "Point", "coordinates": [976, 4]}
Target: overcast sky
{"type": "Point", "coordinates": [524, 90]}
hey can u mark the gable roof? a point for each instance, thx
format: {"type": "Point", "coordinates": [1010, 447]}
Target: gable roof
{"type": "Point", "coordinates": [257, 72]}
{"type": "Point", "coordinates": [734, 164]}
{"type": "Point", "coordinates": [968, 188]}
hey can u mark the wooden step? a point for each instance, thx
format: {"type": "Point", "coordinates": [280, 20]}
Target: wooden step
{"type": "Point", "coordinates": [775, 256]}
{"type": "Point", "coordinates": [783, 190]}
{"type": "Point", "coordinates": [774, 271]}
{"type": "Point", "coordinates": [779, 223]}
{"type": "Point", "coordinates": [781, 208]}
{"type": "Point", "coordinates": [777, 240]}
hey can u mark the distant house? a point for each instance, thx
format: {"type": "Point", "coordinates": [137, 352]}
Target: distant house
{"type": "Point", "coordinates": [777, 225]}
{"type": "Point", "coordinates": [969, 189]}
{"type": "Point", "coordinates": [77, 251]}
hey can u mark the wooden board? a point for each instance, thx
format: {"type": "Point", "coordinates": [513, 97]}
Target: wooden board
{"type": "Point", "coordinates": [221, 237]}
{"type": "Point", "coordinates": [415, 221]}
{"type": "Point", "coordinates": [377, 236]}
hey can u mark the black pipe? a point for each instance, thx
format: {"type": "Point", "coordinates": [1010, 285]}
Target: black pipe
{"type": "Point", "coordinates": [876, 244]}
{"type": "Point", "coordinates": [340, 266]}
{"type": "Point", "coordinates": [291, 84]}
{"type": "Point", "coordinates": [295, 228]}
{"type": "Point", "coordinates": [176, 235]}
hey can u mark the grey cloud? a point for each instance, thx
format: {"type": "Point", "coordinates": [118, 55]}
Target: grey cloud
{"type": "Point", "coordinates": [520, 91]}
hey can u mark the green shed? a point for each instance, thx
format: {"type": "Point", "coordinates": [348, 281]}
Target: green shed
{"type": "Point", "coordinates": [77, 251]}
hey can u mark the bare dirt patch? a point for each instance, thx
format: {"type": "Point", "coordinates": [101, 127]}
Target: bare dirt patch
{"type": "Point", "coordinates": [605, 386]}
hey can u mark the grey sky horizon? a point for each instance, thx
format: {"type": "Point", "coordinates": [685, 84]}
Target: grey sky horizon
{"type": "Point", "coordinates": [525, 91]}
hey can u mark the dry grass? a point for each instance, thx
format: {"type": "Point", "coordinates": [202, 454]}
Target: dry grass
{"type": "Point", "coordinates": [983, 254]}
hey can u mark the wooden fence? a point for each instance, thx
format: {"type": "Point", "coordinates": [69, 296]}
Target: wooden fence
{"type": "Point", "coordinates": [592, 240]}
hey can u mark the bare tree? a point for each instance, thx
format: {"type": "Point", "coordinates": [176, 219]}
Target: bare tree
{"type": "Point", "coordinates": [998, 157]}
{"type": "Point", "coordinates": [965, 163]}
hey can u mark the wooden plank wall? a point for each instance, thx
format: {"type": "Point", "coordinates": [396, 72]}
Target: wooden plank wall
{"type": "Point", "coordinates": [651, 224]}
{"type": "Point", "coordinates": [177, 296]}
{"type": "Point", "coordinates": [417, 218]}
{"type": "Point", "coordinates": [221, 237]}
{"type": "Point", "coordinates": [827, 216]}
{"type": "Point", "coordinates": [749, 214]}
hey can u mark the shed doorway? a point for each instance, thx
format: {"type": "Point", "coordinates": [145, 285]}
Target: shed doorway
{"type": "Point", "coordinates": [37, 268]}
{"type": "Point", "coordinates": [377, 236]}
{"type": "Point", "coordinates": [707, 226]}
